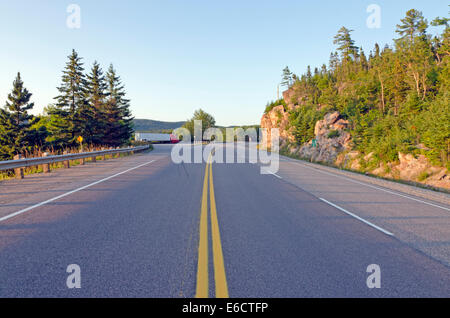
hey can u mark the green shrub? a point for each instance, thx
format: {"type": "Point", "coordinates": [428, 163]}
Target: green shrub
{"type": "Point", "coordinates": [333, 134]}
{"type": "Point", "coordinates": [423, 176]}
{"type": "Point", "coordinates": [271, 105]}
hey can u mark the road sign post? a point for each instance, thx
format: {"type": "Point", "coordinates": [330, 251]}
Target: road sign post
{"type": "Point", "coordinates": [18, 171]}
{"type": "Point", "coordinates": [80, 141]}
{"type": "Point", "coordinates": [314, 145]}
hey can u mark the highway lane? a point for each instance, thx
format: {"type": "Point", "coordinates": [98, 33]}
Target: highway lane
{"type": "Point", "coordinates": [138, 235]}
{"type": "Point", "coordinates": [281, 241]}
{"type": "Point", "coordinates": [132, 236]}
{"type": "Point", "coordinates": [19, 194]}
{"type": "Point", "coordinates": [421, 223]}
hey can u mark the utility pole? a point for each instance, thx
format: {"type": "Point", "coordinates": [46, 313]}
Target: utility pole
{"type": "Point", "coordinates": [278, 92]}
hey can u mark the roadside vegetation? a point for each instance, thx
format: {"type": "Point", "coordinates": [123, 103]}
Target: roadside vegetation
{"type": "Point", "coordinates": [396, 98]}
{"type": "Point", "coordinates": [271, 105]}
{"type": "Point", "coordinates": [207, 120]}
{"type": "Point", "coordinates": [92, 106]}
{"type": "Point", "coordinates": [9, 174]}
{"type": "Point", "coordinates": [287, 153]}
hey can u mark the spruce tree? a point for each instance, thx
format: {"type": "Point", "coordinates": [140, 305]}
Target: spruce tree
{"type": "Point", "coordinates": [415, 49]}
{"type": "Point", "coordinates": [308, 73]}
{"type": "Point", "coordinates": [413, 25]}
{"type": "Point", "coordinates": [71, 106]}
{"type": "Point", "coordinates": [286, 77]}
{"type": "Point", "coordinates": [96, 94]}
{"type": "Point", "coordinates": [15, 121]}
{"type": "Point", "coordinates": [334, 61]}
{"type": "Point", "coordinates": [363, 60]}
{"type": "Point", "coordinates": [345, 43]}
{"type": "Point", "coordinates": [119, 121]}
{"type": "Point", "coordinates": [7, 135]}
{"type": "Point", "coordinates": [377, 50]}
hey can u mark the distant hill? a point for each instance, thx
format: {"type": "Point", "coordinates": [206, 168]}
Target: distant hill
{"type": "Point", "coordinates": [155, 125]}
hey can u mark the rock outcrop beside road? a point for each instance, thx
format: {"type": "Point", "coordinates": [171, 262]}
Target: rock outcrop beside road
{"type": "Point", "coordinates": [333, 145]}
{"type": "Point", "coordinates": [331, 139]}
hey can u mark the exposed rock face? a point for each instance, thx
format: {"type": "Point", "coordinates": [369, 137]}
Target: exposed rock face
{"type": "Point", "coordinates": [334, 146]}
{"type": "Point", "coordinates": [349, 160]}
{"type": "Point", "coordinates": [332, 138]}
{"type": "Point", "coordinates": [415, 169]}
{"type": "Point", "coordinates": [410, 167]}
{"type": "Point", "coordinates": [278, 117]}
{"type": "Point", "coordinates": [328, 146]}
{"type": "Point", "coordinates": [288, 96]}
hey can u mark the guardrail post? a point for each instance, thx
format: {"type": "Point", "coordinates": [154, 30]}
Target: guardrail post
{"type": "Point", "coordinates": [82, 161]}
{"type": "Point", "coordinates": [67, 162]}
{"type": "Point", "coordinates": [18, 171]}
{"type": "Point", "coordinates": [45, 166]}
{"type": "Point", "coordinates": [94, 159]}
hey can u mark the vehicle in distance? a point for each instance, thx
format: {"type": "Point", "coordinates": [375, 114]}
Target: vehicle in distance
{"type": "Point", "coordinates": [157, 138]}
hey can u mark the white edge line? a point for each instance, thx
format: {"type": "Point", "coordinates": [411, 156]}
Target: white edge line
{"type": "Point", "coordinates": [371, 186]}
{"type": "Point", "coordinates": [274, 174]}
{"type": "Point", "coordinates": [357, 217]}
{"type": "Point", "coordinates": [69, 193]}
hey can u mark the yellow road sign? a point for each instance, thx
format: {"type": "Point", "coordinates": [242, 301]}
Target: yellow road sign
{"type": "Point", "coordinates": [80, 139]}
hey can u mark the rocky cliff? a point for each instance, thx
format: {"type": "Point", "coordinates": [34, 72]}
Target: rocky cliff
{"type": "Point", "coordinates": [333, 145]}
{"type": "Point", "coordinates": [278, 117]}
{"type": "Point", "coordinates": [331, 139]}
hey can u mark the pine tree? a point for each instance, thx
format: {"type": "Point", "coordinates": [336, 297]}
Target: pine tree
{"type": "Point", "coordinates": [378, 68]}
{"type": "Point", "coordinates": [286, 77]}
{"type": "Point", "coordinates": [96, 95]}
{"type": "Point", "coordinates": [119, 121]}
{"type": "Point", "coordinates": [413, 25]}
{"type": "Point", "coordinates": [7, 135]}
{"type": "Point", "coordinates": [15, 122]}
{"type": "Point", "coordinates": [441, 44]}
{"type": "Point", "coordinates": [415, 51]}
{"type": "Point", "coordinates": [334, 61]}
{"type": "Point", "coordinates": [72, 106]}
{"type": "Point", "coordinates": [363, 60]}
{"type": "Point", "coordinates": [308, 73]}
{"type": "Point", "coordinates": [316, 72]}
{"type": "Point", "coordinates": [377, 50]}
{"type": "Point", "coordinates": [345, 43]}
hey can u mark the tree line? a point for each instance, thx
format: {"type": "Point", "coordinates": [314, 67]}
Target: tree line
{"type": "Point", "coordinates": [397, 99]}
{"type": "Point", "coordinates": [93, 106]}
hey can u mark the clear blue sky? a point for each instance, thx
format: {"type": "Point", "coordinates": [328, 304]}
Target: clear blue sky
{"type": "Point", "coordinates": [176, 56]}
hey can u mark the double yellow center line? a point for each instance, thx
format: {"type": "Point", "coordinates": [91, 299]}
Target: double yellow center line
{"type": "Point", "coordinates": [219, 265]}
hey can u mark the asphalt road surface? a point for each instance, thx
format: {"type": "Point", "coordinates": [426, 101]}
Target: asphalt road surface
{"type": "Point", "coordinates": [143, 226]}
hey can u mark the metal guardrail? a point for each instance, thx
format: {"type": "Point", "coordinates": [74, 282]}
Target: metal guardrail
{"type": "Point", "coordinates": [30, 162]}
